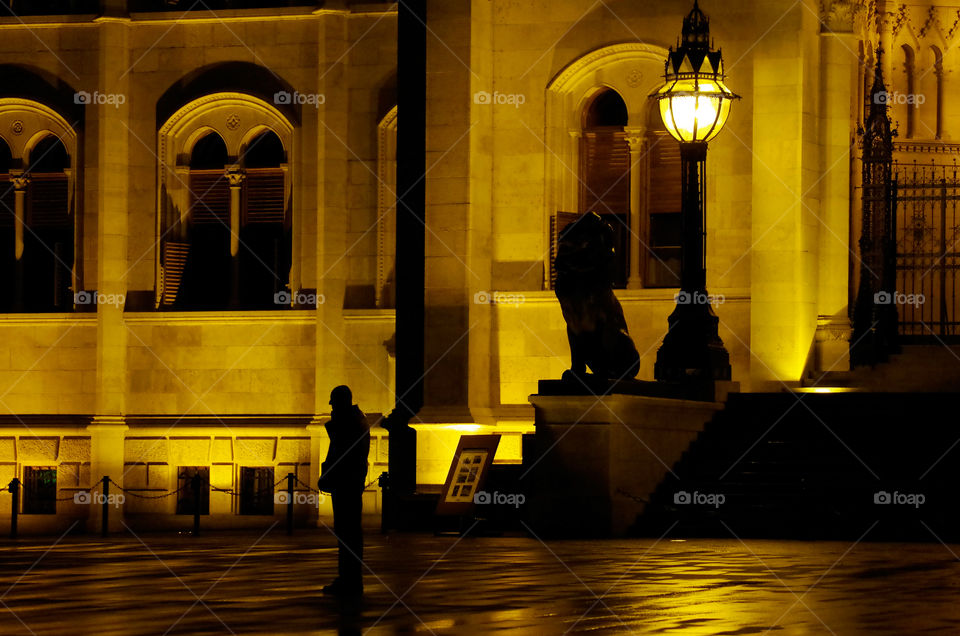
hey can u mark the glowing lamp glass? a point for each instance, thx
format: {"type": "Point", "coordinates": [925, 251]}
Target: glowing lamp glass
{"type": "Point", "coordinates": [694, 109]}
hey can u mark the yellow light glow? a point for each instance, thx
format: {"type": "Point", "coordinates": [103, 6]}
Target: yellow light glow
{"type": "Point", "coordinates": [464, 428]}
{"type": "Point", "coordinates": [694, 110]}
{"type": "Point", "coordinates": [824, 389]}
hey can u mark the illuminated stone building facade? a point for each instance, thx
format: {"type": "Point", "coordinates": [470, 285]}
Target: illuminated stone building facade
{"type": "Point", "coordinates": [198, 234]}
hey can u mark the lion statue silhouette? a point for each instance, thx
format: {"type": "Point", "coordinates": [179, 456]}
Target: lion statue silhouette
{"type": "Point", "coordinates": [596, 328]}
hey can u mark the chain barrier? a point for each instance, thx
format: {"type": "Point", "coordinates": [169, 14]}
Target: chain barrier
{"type": "Point", "coordinates": [227, 491]}
{"type": "Point", "coordinates": [367, 485]}
{"type": "Point", "coordinates": [139, 496]}
{"type": "Point", "coordinates": [307, 486]}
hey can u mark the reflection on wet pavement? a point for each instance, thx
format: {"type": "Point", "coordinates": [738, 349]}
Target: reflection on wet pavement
{"type": "Point", "coordinates": [245, 583]}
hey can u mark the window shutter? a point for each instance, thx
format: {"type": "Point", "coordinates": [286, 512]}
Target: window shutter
{"type": "Point", "coordinates": [209, 197]}
{"type": "Point", "coordinates": [264, 196]}
{"type": "Point", "coordinates": [664, 229]}
{"type": "Point", "coordinates": [606, 172]}
{"type": "Point", "coordinates": [664, 173]}
{"type": "Point", "coordinates": [47, 201]}
{"type": "Point", "coordinates": [173, 261]}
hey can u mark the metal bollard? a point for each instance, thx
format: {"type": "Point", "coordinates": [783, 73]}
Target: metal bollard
{"type": "Point", "coordinates": [15, 496]}
{"type": "Point", "coordinates": [290, 478]}
{"type": "Point", "coordinates": [105, 510]}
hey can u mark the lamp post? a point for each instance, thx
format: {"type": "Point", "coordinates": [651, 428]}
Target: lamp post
{"type": "Point", "coordinates": [694, 104]}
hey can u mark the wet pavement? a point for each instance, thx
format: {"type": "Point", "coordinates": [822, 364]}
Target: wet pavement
{"type": "Point", "coordinates": [254, 583]}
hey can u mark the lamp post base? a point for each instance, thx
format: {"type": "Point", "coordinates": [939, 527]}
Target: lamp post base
{"type": "Point", "coordinates": [692, 349]}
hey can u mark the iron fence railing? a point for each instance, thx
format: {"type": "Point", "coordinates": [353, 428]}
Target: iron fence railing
{"type": "Point", "coordinates": [928, 249]}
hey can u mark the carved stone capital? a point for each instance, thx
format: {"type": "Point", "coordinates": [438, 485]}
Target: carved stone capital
{"type": "Point", "coordinates": [635, 139]}
{"type": "Point", "coordinates": [235, 176]}
{"type": "Point", "coordinates": [19, 179]}
{"type": "Point", "coordinates": [838, 16]}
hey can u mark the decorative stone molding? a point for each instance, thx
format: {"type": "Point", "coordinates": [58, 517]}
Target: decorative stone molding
{"type": "Point", "coordinates": [838, 16]}
{"type": "Point", "coordinates": [929, 147]}
{"type": "Point", "coordinates": [930, 22]}
{"type": "Point", "coordinates": [386, 203]}
{"type": "Point", "coordinates": [898, 20]}
{"type": "Point", "coordinates": [833, 329]}
{"type": "Point", "coordinates": [955, 26]}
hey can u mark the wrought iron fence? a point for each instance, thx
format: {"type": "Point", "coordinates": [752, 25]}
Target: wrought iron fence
{"type": "Point", "coordinates": [928, 249]}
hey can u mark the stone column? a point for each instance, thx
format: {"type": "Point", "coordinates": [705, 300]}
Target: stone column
{"type": "Point", "coordinates": [20, 182]}
{"type": "Point", "coordinates": [638, 146]}
{"type": "Point", "coordinates": [571, 174]}
{"type": "Point", "coordinates": [235, 177]}
{"type": "Point", "coordinates": [109, 147]}
{"type": "Point", "coordinates": [451, 276]}
{"type": "Point", "coordinates": [107, 433]}
{"type": "Point", "coordinates": [839, 65]}
{"type": "Point", "coordinates": [329, 209]}
{"type": "Point", "coordinates": [785, 192]}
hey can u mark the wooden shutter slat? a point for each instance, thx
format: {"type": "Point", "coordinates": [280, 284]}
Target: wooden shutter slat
{"type": "Point", "coordinates": [48, 198]}
{"type": "Point", "coordinates": [173, 262]}
{"type": "Point", "coordinates": [606, 174]}
{"type": "Point", "coordinates": [264, 198]}
{"type": "Point", "coordinates": [209, 197]}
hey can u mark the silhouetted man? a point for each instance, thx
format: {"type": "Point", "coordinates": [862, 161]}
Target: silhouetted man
{"type": "Point", "coordinates": [343, 474]}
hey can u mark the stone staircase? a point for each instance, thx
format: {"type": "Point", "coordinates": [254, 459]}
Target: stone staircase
{"type": "Point", "coordinates": [916, 369]}
{"type": "Point", "coordinates": [810, 466]}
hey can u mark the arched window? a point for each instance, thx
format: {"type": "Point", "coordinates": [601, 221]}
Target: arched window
{"type": "Point", "coordinates": [225, 217]}
{"type": "Point", "coordinates": [38, 223]}
{"type": "Point", "coordinates": [605, 172]}
{"type": "Point", "coordinates": [908, 70]}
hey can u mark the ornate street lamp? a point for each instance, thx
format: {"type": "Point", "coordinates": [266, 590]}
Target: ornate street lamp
{"type": "Point", "coordinates": [694, 104]}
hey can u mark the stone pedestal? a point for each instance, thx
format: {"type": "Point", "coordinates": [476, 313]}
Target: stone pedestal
{"type": "Point", "coordinates": [598, 458]}
{"type": "Point", "coordinates": [107, 435]}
